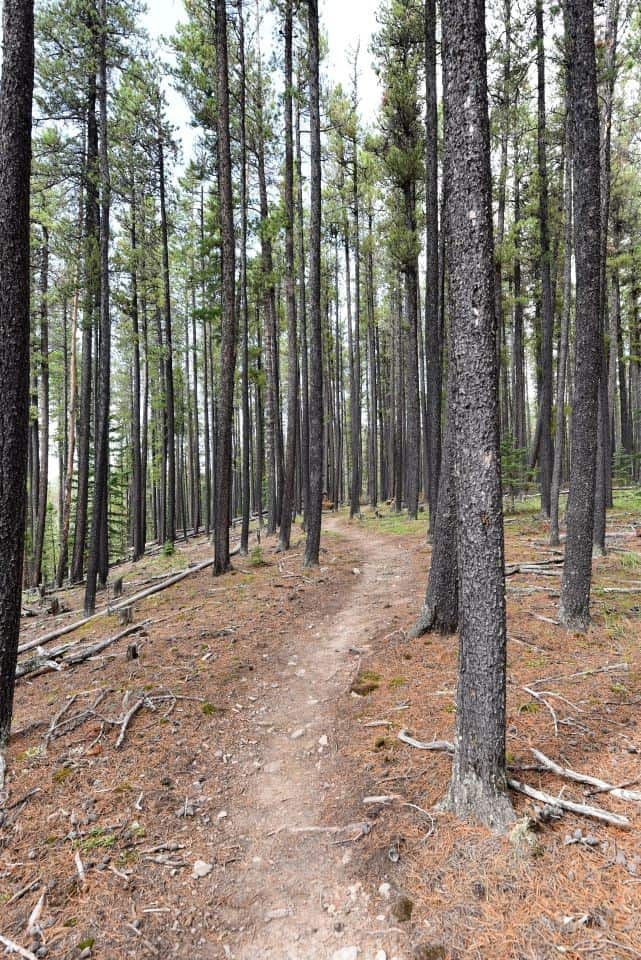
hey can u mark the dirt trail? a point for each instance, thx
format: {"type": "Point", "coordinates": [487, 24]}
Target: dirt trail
{"type": "Point", "coordinates": [296, 900]}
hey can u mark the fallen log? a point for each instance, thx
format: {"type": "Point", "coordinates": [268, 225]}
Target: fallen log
{"type": "Point", "coordinates": [55, 659]}
{"type": "Point", "coordinates": [114, 608]}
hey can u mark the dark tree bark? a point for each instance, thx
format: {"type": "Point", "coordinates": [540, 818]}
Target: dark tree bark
{"type": "Point", "coordinates": [206, 373]}
{"type": "Point", "coordinates": [355, 353]}
{"type": "Point", "coordinates": [412, 453]}
{"type": "Point", "coordinates": [222, 516]}
{"type": "Point", "coordinates": [136, 457]}
{"type": "Point", "coordinates": [603, 491]}
{"type": "Point", "coordinates": [374, 385]}
{"type": "Point", "coordinates": [43, 412]}
{"type": "Point", "coordinates": [15, 166]}
{"type": "Point", "coordinates": [244, 307]}
{"type": "Point", "coordinates": [574, 609]}
{"type": "Point", "coordinates": [170, 417]}
{"type": "Point", "coordinates": [98, 561]}
{"type": "Point", "coordinates": [624, 409]}
{"type": "Point", "coordinates": [433, 347]}
{"type": "Point", "coordinates": [290, 296]}
{"type": "Point", "coordinates": [67, 485]}
{"type": "Point", "coordinates": [314, 507]}
{"type": "Point", "coordinates": [564, 340]}
{"type": "Point", "coordinates": [90, 311]}
{"type": "Point", "coordinates": [518, 348]}
{"type": "Point", "coordinates": [478, 785]}
{"type": "Point", "coordinates": [302, 314]}
{"type": "Point", "coordinates": [197, 518]}
{"type": "Point", "coordinates": [547, 307]}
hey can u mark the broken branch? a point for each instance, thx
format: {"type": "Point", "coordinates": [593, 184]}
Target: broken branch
{"type": "Point", "coordinates": [601, 785]}
{"type": "Point", "coordinates": [596, 813]}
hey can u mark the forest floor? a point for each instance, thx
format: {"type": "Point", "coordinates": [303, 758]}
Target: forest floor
{"type": "Point", "coordinates": [229, 821]}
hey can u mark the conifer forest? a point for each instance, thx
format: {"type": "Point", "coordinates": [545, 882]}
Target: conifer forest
{"type": "Point", "coordinates": [320, 479]}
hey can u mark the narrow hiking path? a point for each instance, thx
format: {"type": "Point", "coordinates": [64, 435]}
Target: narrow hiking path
{"type": "Point", "coordinates": [228, 821]}
{"type": "Point", "coordinates": [297, 899]}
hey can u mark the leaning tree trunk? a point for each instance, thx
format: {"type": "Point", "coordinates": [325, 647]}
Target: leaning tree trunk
{"type": "Point", "coordinates": [222, 516]}
{"type": "Point", "coordinates": [15, 167]}
{"type": "Point", "coordinates": [574, 610]}
{"type": "Point", "coordinates": [314, 507]}
{"type": "Point", "coordinates": [478, 785]}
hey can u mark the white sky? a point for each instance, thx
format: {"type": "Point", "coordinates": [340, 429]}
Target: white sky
{"type": "Point", "coordinates": [347, 23]}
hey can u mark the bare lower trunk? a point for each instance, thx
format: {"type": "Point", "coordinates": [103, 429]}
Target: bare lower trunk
{"type": "Point", "coordinates": [478, 787]}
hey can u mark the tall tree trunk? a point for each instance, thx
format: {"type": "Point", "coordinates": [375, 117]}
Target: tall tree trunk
{"type": "Point", "coordinates": [410, 276]}
{"type": "Point", "coordinates": [574, 609]}
{"type": "Point", "coordinates": [98, 545]}
{"type": "Point", "coordinates": [557, 472]}
{"type": "Point", "coordinates": [374, 384]}
{"type": "Point", "coordinates": [15, 166]}
{"type": "Point", "coordinates": [43, 411]}
{"type": "Point", "coordinates": [501, 188]}
{"type": "Point", "coordinates": [614, 333]}
{"type": "Point", "coordinates": [67, 485]}
{"type": "Point", "coordinates": [206, 377]}
{"type": "Point", "coordinates": [290, 295]}
{"type": "Point", "coordinates": [433, 346]}
{"type": "Point", "coordinates": [244, 307]}
{"type": "Point", "coordinates": [302, 314]}
{"type": "Point", "coordinates": [228, 323]}
{"type": "Point", "coordinates": [355, 366]}
{"type": "Point", "coordinates": [197, 518]}
{"type": "Point", "coordinates": [90, 311]}
{"type": "Point", "coordinates": [136, 457]}
{"type": "Point", "coordinates": [603, 492]}
{"type": "Point", "coordinates": [478, 785]}
{"type": "Point", "coordinates": [314, 507]}
{"type": "Point", "coordinates": [170, 504]}
{"type": "Point", "coordinates": [547, 307]}
{"type": "Point", "coordinates": [518, 347]}
{"type": "Point", "coordinates": [635, 372]}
